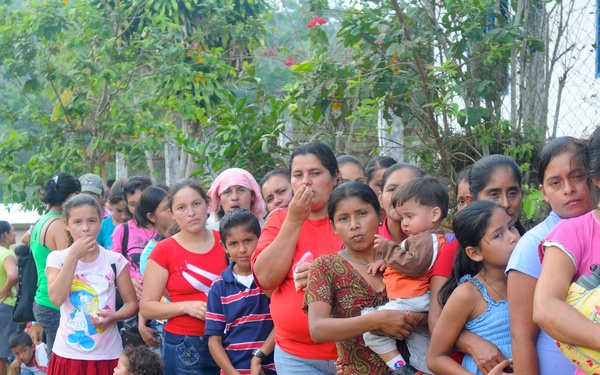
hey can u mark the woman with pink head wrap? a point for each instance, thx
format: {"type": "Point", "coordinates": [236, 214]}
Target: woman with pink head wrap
{"type": "Point", "coordinates": [235, 188]}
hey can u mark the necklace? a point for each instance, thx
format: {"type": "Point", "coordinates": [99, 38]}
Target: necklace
{"type": "Point", "coordinates": [149, 236]}
{"type": "Point", "coordinates": [494, 289]}
{"type": "Point", "coordinates": [345, 255]}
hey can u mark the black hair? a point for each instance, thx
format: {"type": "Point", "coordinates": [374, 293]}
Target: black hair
{"type": "Point", "coordinates": [426, 191]}
{"type": "Point", "coordinates": [185, 183]}
{"type": "Point", "coordinates": [115, 194]}
{"type": "Point", "coordinates": [19, 338]}
{"type": "Point", "coordinates": [469, 226]}
{"type": "Point", "coordinates": [557, 147]}
{"type": "Point", "coordinates": [345, 159]}
{"type": "Point", "coordinates": [238, 218]}
{"type": "Point", "coordinates": [58, 188]}
{"type": "Point", "coordinates": [81, 200]}
{"type": "Point", "coordinates": [398, 166]}
{"type": "Point", "coordinates": [149, 201]}
{"type": "Point", "coordinates": [135, 183]}
{"type": "Point", "coordinates": [22, 250]}
{"type": "Point", "coordinates": [349, 190]}
{"type": "Point", "coordinates": [109, 184]}
{"type": "Point", "coordinates": [464, 175]}
{"type": "Point", "coordinates": [116, 198]}
{"type": "Point", "coordinates": [285, 172]}
{"type": "Point", "coordinates": [142, 361]}
{"type": "Point", "coordinates": [592, 154]}
{"type": "Point", "coordinates": [4, 227]}
{"type": "Point", "coordinates": [322, 152]}
{"type": "Point", "coordinates": [483, 170]}
{"type": "Point", "coordinates": [377, 163]}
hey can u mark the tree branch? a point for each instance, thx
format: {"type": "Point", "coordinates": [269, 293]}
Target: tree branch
{"type": "Point", "coordinates": [431, 122]}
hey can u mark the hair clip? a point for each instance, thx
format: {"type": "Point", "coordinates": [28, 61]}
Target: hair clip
{"type": "Point", "coordinates": [56, 182]}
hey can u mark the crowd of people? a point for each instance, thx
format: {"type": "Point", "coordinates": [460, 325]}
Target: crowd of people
{"type": "Point", "coordinates": [324, 267]}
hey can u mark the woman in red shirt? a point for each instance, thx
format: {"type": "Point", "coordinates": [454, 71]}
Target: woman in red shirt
{"type": "Point", "coordinates": [287, 236]}
{"type": "Point", "coordinates": [185, 265]}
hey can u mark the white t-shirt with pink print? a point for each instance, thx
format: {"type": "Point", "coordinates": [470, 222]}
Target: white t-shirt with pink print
{"type": "Point", "coordinates": [92, 290]}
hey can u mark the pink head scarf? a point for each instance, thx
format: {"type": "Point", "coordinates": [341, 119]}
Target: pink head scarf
{"type": "Point", "coordinates": [236, 177]}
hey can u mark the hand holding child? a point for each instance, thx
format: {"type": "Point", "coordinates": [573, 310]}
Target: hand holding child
{"type": "Point", "coordinates": [394, 323]}
{"type": "Point", "coordinates": [376, 266]}
{"type": "Point", "coordinates": [486, 356]}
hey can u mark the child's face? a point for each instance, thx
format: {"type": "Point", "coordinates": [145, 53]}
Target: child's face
{"type": "Point", "coordinates": [499, 240]}
{"type": "Point", "coordinates": [240, 244]}
{"type": "Point", "coordinates": [24, 353]}
{"type": "Point", "coordinates": [84, 221]}
{"type": "Point", "coordinates": [122, 366]}
{"type": "Point", "coordinates": [132, 199]}
{"type": "Point", "coordinates": [356, 222]}
{"type": "Point", "coordinates": [120, 212]}
{"type": "Point", "coordinates": [417, 218]}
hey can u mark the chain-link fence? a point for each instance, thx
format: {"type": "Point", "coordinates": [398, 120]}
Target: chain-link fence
{"type": "Point", "coordinates": [579, 98]}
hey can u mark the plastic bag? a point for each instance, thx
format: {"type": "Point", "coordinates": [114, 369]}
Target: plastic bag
{"type": "Point", "coordinates": [587, 302]}
{"type": "Point", "coordinates": [307, 258]}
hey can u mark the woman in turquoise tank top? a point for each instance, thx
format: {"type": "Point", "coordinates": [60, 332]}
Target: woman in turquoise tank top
{"type": "Point", "coordinates": [50, 234]}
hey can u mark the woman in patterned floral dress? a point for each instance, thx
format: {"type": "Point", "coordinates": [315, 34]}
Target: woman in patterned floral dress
{"type": "Point", "coordinates": [339, 286]}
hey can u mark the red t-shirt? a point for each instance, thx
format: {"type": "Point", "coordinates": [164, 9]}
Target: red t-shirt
{"type": "Point", "coordinates": [190, 278]}
{"type": "Point", "coordinates": [291, 324]}
{"type": "Point", "coordinates": [445, 263]}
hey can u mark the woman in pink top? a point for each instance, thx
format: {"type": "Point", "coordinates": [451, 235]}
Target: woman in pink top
{"type": "Point", "coordinates": [567, 253]}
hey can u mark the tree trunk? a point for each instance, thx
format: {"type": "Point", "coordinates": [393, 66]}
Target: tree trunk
{"type": "Point", "coordinates": [189, 168]}
{"type": "Point", "coordinates": [171, 162]}
{"type": "Point", "coordinates": [391, 143]}
{"type": "Point", "coordinates": [150, 165]}
{"type": "Point", "coordinates": [534, 115]}
{"type": "Point", "coordinates": [430, 122]}
{"type": "Point", "coordinates": [121, 166]}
